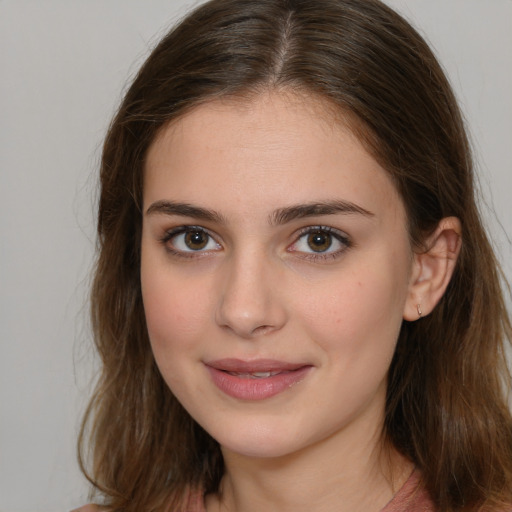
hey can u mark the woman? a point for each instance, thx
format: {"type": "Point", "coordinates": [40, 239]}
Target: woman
{"type": "Point", "coordinates": [295, 302]}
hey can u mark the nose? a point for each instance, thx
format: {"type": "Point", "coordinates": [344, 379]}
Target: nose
{"type": "Point", "coordinates": [250, 303]}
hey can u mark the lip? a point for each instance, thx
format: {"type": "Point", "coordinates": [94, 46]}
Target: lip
{"type": "Point", "coordinates": [233, 377]}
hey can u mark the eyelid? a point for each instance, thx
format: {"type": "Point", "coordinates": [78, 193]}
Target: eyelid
{"type": "Point", "coordinates": [339, 235]}
{"type": "Point", "coordinates": [178, 230]}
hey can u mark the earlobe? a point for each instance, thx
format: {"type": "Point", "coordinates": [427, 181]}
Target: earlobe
{"type": "Point", "coordinates": [432, 269]}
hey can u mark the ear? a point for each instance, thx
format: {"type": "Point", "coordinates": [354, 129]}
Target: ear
{"type": "Point", "coordinates": [432, 269]}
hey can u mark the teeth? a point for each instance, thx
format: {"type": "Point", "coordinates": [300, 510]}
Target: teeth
{"type": "Point", "coordinates": [254, 375]}
{"type": "Point", "coordinates": [262, 375]}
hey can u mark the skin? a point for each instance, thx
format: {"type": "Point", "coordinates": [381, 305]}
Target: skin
{"type": "Point", "coordinates": [259, 289]}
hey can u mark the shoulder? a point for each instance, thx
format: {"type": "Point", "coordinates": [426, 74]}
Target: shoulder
{"type": "Point", "coordinates": [412, 497]}
{"type": "Point", "coordinates": [90, 508]}
{"type": "Point", "coordinates": [193, 502]}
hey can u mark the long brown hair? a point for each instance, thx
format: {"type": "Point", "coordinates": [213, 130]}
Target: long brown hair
{"type": "Point", "coordinates": [446, 408]}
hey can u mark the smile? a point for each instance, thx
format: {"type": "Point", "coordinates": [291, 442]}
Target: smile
{"type": "Point", "coordinates": [255, 380]}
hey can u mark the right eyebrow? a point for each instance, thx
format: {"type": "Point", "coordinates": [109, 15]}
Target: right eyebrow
{"type": "Point", "coordinates": [185, 210]}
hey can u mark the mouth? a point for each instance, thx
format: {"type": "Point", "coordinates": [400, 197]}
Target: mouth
{"type": "Point", "coordinates": [255, 380]}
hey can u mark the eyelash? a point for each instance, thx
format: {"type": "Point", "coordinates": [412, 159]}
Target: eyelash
{"type": "Point", "coordinates": [175, 232]}
{"type": "Point", "coordinates": [337, 235]}
{"type": "Point", "coordinates": [320, 256]}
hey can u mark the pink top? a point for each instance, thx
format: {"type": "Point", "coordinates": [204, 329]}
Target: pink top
{"type": "Point", "coordinates": [410, 498]}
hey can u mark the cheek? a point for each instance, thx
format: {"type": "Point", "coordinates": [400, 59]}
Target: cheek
{"type": "Point", "coordinates": [359, 318]}
{"type": "Point", "coordinates": [175, 308]}
{"type": "Point", "coordinates": [175, 314]}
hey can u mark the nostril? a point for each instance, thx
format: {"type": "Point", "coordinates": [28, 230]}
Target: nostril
{"type": "Point", "coordinates": [262, 329]}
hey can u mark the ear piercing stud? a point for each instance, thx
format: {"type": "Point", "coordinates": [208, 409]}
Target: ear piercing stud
{"type": "Point", "coordinates": [420, 313]}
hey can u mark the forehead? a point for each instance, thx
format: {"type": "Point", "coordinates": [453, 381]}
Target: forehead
{"type": "Point", "coordinates": [272, 114]}
{"type": "Point", "coordinates": [269, 149]}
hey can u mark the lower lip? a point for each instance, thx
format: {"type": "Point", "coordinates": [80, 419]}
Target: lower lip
{"type": "Point", "coordinates": [256, 389]}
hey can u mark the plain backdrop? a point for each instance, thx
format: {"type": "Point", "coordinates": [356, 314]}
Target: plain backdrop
{"type": "Point", "coordinates": [63, 67]}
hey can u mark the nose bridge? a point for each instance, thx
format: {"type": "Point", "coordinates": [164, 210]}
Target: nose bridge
{"type": "Point", "coordinates": [249, 304]}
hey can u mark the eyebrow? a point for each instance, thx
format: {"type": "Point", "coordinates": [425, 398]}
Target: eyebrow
{"type": "Point", "coordinates": [278, 217]}
{"type": "Point", "coordinates": [289, 213]}
{"type": "Point", "coordinates": [185, 210]}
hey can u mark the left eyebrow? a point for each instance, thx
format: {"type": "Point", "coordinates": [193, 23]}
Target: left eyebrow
{"type": "Point", "coordinates": [300, 211]}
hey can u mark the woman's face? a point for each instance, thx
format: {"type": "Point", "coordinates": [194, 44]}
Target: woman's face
{"type": "Point", "coordinates": [275, 269]}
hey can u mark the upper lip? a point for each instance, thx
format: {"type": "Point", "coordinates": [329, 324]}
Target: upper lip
{"type": "Point", "coordinates": [256, 365]}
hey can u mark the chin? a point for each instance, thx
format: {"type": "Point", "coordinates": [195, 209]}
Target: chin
{"type": "Point", "coordinates": [260, 440]}
{"type": "Point", "coordinates": [259, 449]}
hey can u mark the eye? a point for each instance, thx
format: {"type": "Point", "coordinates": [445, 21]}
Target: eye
{"type": "Point", "coordinates": [320, 242]}
{"type": "Point", "coordinates": [190, 239]}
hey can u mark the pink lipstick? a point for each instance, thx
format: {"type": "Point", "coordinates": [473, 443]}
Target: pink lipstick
{"type": "Point", "coordinates": [255, 380]}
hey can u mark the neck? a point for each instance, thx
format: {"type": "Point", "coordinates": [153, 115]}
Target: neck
{"type": "Point", "coordinates": [337, 474]}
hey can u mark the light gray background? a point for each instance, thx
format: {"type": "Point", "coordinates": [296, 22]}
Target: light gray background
{"type": "Point", "coordinates": [63, 66]}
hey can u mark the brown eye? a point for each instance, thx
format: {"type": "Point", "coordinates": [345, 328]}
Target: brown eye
{"type": "Point", "coordinates": [319, 241]}
{"type": "Point", "coordinates": [196, 240]}
{"type": "Point", "coordinates": [190, 239]}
